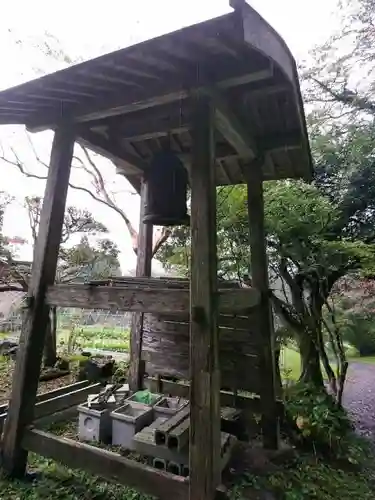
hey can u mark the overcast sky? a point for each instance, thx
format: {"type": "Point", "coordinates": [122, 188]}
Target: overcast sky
{"type": "Point", "coordinates": [87, 29]}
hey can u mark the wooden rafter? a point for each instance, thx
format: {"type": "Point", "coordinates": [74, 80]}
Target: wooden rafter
{"type": "Point", "coordinates": [231, 128]}
{"type": "Point", "coordinates": [111, 149]}
{"type": "Point", "coordinates": [122, 103]}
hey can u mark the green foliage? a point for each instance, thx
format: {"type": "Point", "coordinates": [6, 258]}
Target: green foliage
{"type": "Point", "coordinates": [357, 325]}
{"type": "Point", "coordinates": [61, 483]}
{"type": "Point", "coordinates": [106, 338]}
{"type": "Point", "coordinates": [307, 478]}
{"type": "Point", "coordinates": [121, 372]}
{"type": "Point", "coordinates": [320, 423]}
{"type": "Point", "coordinates": [307, 254]}
{"type": "Point", "coordinates": [86, 261]}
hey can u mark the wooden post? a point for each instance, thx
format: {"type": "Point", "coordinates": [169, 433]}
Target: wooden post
{"type": "Point", "coordinates": [144, 259]}
{"type": "Point", "coordinates": [259, 272]}
{"type": "Point", "coordinates": [204, 360]}
{"type": "Point", "coordinates": [29, 359]}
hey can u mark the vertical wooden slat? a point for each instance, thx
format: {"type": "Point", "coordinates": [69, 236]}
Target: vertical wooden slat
{"type": "Point", "coordinates": [259, 274]}
{"type": "Point", "coordinates": [144, 259]}
{"type": "Point", "coordinates": [204, 360]}
{"type": "Point", "coordinates": [29, 359]}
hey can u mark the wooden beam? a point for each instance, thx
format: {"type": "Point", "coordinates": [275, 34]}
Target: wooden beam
{"type": "Point", "coordinates": [123, 102]}
{"type": "Point", "coordinates": [29, 358]}
{"type": "Point", "coordinates": [68, 414]}
{"type": "Point", "coordinates": [62, 401]}
{"type": "Point", "coordinates": [205, 470]}
{"type": "Point", "coordinates": [259, 277]}
{"type": "Point", "coordinates": [227, 398]}
{"type": "Point", "coordinates": [162, 120]}
{"type": "Point", "coordinates": [111, 150]}
{"type": "Point", "coordinates": [231, 128]}
{"type": "Point", "coordinates": [107, 465]}
{"type": "Point", "coordinates": [148, 300]}
{"type": "Point", "coordinates": [143, 269]}
{"type": "Point", "coordinates": [55, 393]}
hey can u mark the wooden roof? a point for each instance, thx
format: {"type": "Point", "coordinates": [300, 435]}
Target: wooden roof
{"type": "Point", "coordinates": [124, 103]}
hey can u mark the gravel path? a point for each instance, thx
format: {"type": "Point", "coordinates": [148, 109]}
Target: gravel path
{"type": "Point", "coordinates": [359, 397]}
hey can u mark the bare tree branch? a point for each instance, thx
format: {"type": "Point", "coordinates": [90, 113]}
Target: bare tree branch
{"type": "Point", "coordinates": [99, 192]}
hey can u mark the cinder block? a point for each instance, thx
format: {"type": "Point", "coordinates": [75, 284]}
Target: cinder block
{"type": "Point", "coordinates": [144, 444]}
{"type": "Point", "coordinates": [175, 468]}
{"type": "Point", "coordinates": [127, 421]}
{"type": "Point", "coordinates": [161, 434]}
{"type": "Point", "coordinates": [178, 438]}
{"type": "Point", "coordinates": [159, 463]}
{"type": "Point", "coordinates": [166, 407]}
{"type": "Point", "coordinates": [94, 423]}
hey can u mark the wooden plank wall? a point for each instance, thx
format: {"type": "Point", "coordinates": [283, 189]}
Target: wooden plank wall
{"type": "Point", "coordinates": [166, 350]}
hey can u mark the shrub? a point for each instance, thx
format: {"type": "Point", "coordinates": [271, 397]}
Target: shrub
{"type": "Point", "coordinates": [359, 331]}
{"type": "Point", "coordinates": [318, 422]}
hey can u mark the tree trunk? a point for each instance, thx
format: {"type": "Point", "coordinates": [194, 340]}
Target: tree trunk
{"type": "Point", "coordinates": [50, 353]}
{"type": "Point", "coordinates": [311, 372]}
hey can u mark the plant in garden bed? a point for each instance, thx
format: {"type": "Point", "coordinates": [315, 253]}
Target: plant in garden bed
{"type": "Point", "coordinates": [121, 372]}
{"type": "Point", "coordinates": [315, 421]}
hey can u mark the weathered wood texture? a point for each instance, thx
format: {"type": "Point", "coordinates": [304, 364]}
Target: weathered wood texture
{"type": "Point", "coordinates": [145, 299]}
{"type": "Point", "coordinates": [227, 398]}
{"type": "Point", "coordinates": [29, 359]}
{"type": "Point", "coordinates": [64, 401]}
{"type": "Point", "coordinates": [166, 352]}
{"type": "Point", "coordinates": [55, 393]}
{"type": "Point", "coordinates": [58, 401]}
{"type": "Point", "coordinates": [44, 397]}
{"type": "Point", "coordinates": [144, 258]}
{"type": "Point", "coordinates": [259, 276]}
{"type": "Point", "coordinates": [204, 459]}
{"type": "Point", "coordinates": [107, 465]}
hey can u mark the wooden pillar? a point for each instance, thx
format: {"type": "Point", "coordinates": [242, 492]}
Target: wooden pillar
{"type": "Point", "coordinates": [259, 272]}
{"type": "Point", "coordinates": [144, 259]}
{"type": "Point", "coordinates": [29, 358]}
{"type": "Point", "coordinates": [204, 361]}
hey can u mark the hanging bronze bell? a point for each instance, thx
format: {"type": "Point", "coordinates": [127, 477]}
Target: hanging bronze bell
{"type": "Point", "coordinates": [166, 192]}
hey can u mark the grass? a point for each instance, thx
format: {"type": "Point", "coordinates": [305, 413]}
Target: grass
{"type": "Point", "coordinates": [366, 359]}
{"type": "Point", "coordinates": [94, 337]}
{"type": "Point", "coordinates": [290, 363]}
{"type": "Point", "coordinates": [61, 483]}
{"type": "Point", "coordinates": [307, 478]}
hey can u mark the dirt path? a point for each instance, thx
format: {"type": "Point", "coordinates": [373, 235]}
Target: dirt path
{"type": "Point", "coordinates": [359, 397]}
